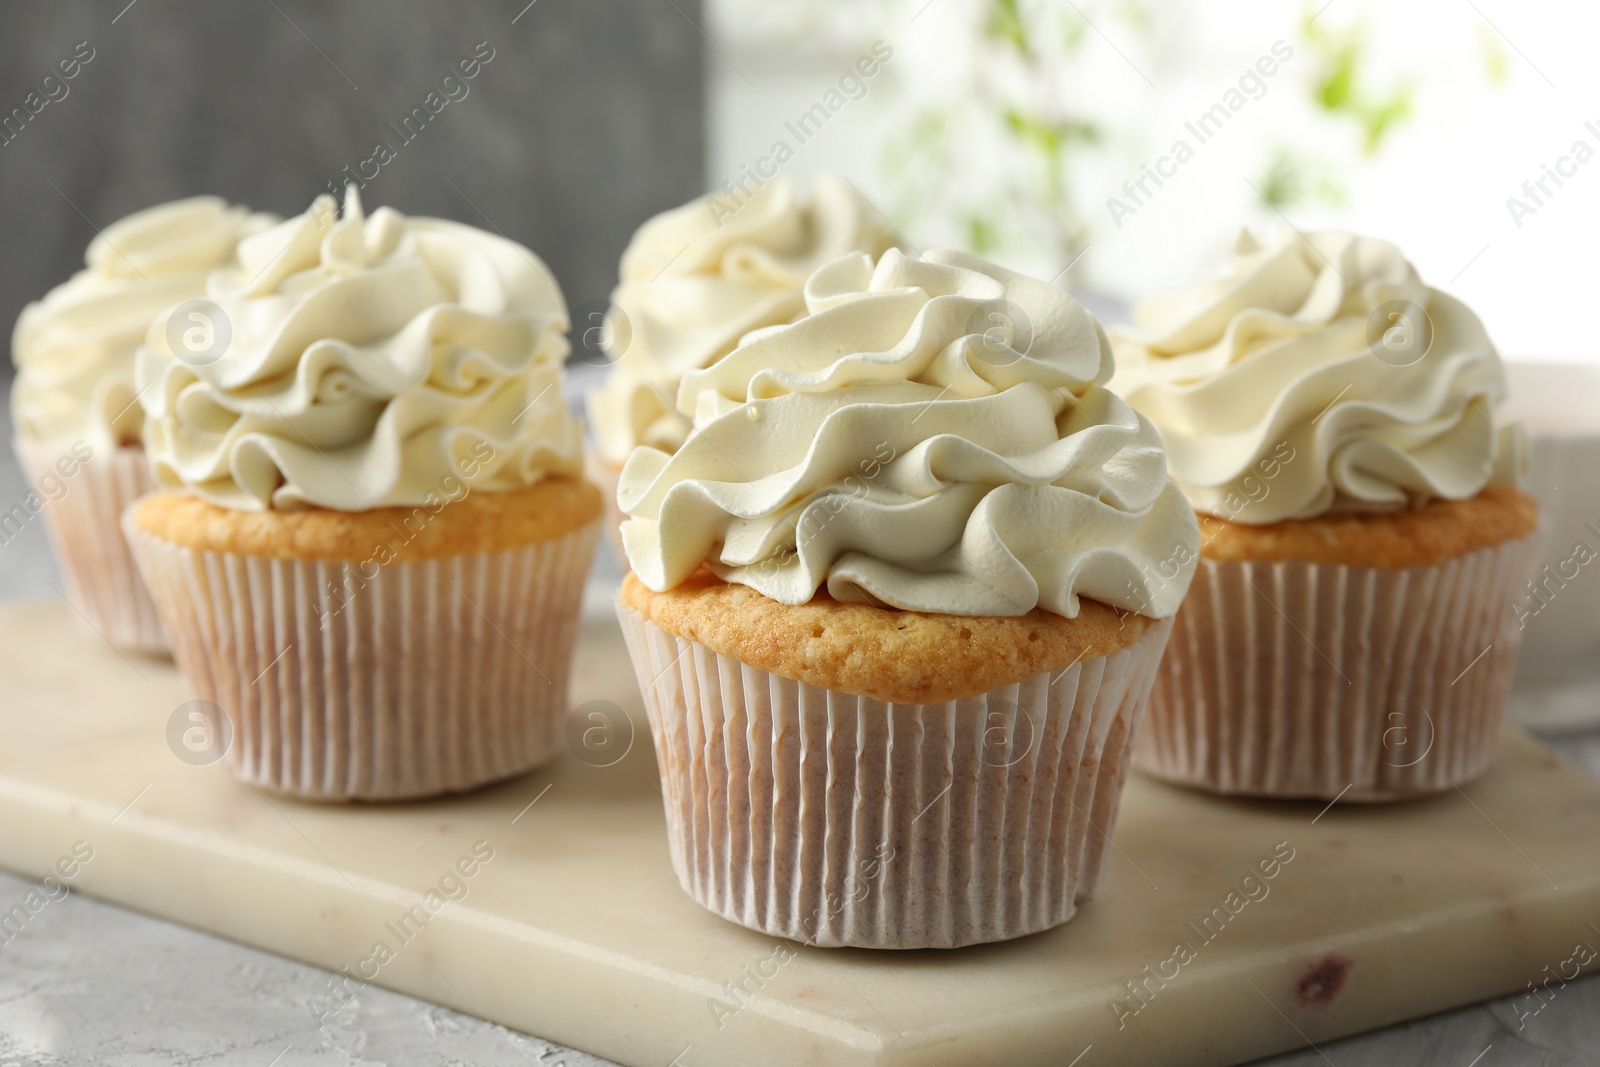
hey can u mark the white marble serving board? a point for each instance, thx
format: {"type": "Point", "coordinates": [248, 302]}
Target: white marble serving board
{"type": "Point", "coordinates": [576, 930]}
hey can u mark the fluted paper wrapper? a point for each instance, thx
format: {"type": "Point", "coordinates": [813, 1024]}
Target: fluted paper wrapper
{"type": "Point", "coordinates": [835, 819]}
{"type": "Point", "coordinates": [83, 524]}
{"type": "Point", "coordinates": [1292, 679]}
{"type": "Point", "coordinates": [430, 677]}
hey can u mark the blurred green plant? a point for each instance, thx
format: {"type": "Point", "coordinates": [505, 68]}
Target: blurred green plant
{"type": "Point", "coordinates": [1496, 63]}
{"type": "Point", "coordinates": [1341, 82]}
{"type": "Point", "coordinates": [1015, 107]}
{"type": "Point", "coordinates": [1341, 87]}
{"type": "Point", "coordinates": [1292, 177]}
{"type": "Point", "coordinates": [995, 154]}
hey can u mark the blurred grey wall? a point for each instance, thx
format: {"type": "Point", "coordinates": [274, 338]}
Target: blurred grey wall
{"type": "Point", "coordinates": [588, 119]}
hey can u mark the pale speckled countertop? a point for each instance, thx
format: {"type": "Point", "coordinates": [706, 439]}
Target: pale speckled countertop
{"type": "Point", "coordinates": [93, 985]}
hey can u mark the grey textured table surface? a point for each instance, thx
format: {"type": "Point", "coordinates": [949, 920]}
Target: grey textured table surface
{"type": "Point", "coordinates": [90, 984]}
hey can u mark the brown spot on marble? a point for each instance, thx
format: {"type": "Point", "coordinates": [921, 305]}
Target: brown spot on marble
{"type": "Point", "coordinates": [1322, 982]}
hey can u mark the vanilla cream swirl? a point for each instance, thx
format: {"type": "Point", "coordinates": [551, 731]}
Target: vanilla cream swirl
{"type": "Point", "coordinates": [696, 279]}
{"type": "Point", "coordinates": [371, 360]}
{"type": "Point", "coordinates": [933, 436]}
{"type": "Point", "coordinates": [74, 349]}
{"type": "Point", "coordinates": [1320, 375]}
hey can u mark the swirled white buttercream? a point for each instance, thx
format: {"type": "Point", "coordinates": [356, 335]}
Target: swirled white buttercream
{"type": "Point", "coordinates": [371, 360]}
{"type": "Point", "coordinates": [699, 277]}
{"type": "Point", "coordinates": [935, 436]}
{"type": "Point", "coordinates": [74, 349]}
{"type": "Point", "coordinates": [1321, 374]}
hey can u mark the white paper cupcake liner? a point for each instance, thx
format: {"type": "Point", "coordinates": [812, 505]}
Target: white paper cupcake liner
{"type": "Point", "coordinates": [83, 523]}
{"type": "Point", "coordinates": [1292, 679]}
{"type": "Point", "coordinates": [838, 820]}
{"type": "Point", "coordinates": [430, 677]}
{"type": "Point", "coordinates": [607, 478]}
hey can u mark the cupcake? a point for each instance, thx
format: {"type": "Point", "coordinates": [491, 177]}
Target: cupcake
{"type": "Point", "coordinates": [892, 612]}
{"type": "Point", "coordinates": [1349, 632]}
{"type": "Point", "coordinates": [372, 536]}
{"type": "Point", "coordinates": [696, 279]}
{"type": "Point", "coordinates": [77, 422]}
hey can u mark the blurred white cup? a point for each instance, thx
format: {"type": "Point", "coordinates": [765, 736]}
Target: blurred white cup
{"type": "Point", "coordinates": [1558, 678]}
